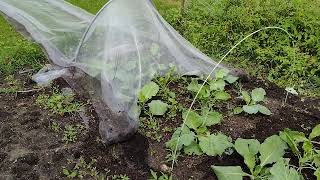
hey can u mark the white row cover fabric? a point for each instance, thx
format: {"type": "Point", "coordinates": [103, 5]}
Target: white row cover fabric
{"type": "Point", "coordinates": [124, 46]}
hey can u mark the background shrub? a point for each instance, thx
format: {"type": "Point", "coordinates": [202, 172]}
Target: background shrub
{"type": "Point", "coordinates": [214, 26]}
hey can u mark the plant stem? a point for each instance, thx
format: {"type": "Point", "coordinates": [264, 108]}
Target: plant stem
{"type": "Point", "coordinates": [315, 142]}
{"type": "Point", "coordinates": [306, 167]}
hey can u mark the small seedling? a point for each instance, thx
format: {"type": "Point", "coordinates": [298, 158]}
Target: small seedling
{"type": "Point", "coordinates": [71, 133]}
{"type": "Point", "coordinates": [55, 127]}
{"type": "Point", "coordinates": [195, 138]}
{"type": "Point", "coordinates": [82, 170]}
{"type": "Point", "coordinates": [154, 176]}
{"type": "Point", "coordinates": [252, 102]}
{"type": "Point", "coordinates": [120, 177]}
{"type": "Point", "coordinates": [290, 90]}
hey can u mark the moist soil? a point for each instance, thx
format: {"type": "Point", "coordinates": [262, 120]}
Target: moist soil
{"type": "Point", "coordinates": [30, 149]}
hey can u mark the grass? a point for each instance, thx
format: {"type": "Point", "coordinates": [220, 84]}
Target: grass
{"type": "Point", "coordinates": [90, 6]}
{"type": "Point", "coordinates": [208, 28]}
{"type": "Point", "coordinates": [16, 52]}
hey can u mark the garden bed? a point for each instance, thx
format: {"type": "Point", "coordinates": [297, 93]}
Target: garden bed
{"type": "Point", "coordinates": [32, 148]}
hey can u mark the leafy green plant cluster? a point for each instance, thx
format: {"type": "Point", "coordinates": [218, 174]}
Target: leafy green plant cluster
{"type": "Point", "coordinates": [156, 99]}
{"type": "Point", "coordinates": [72, 132]}
{"type": "Point", "coordinates": [215, 26]}
{"type": "Point", "coordinates": [214, 90]}
{"type": "Point", "coordinates": [195, 138]}
{"type": "Point", "coordinates": [81, 169]}
{"type": "Point", "coordinates": [58, 103]}
{"type": "Point", "coordinates": [266, 161]}
{"type": "Point", "coordinates": [252, 102]}
{"type": "Point", "coordinates": [269, 152]}
{"type": "Point", "coordinates": [304, 148]}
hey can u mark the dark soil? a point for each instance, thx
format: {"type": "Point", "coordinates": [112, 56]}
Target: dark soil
{"type": "Point", "coordinates": [29, 149]}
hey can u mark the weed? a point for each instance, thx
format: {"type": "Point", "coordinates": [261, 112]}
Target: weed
{"type": "Point", "coordinates": [71, 133]}
{"type": "Point", "coordinates": [150, 128]}
{"type": "Point", "coordinates": [119, 177]}
{"type": "Point", "coordinates": [55, 127]}
{"type": "Point", "coordinates": [58, 103]}
{"type": "Point", "coordinates": [13, 85]}
{"type": "Point", "coordinates": [81, 169]}
{"type": "Point", "coordinates": [154, 176]}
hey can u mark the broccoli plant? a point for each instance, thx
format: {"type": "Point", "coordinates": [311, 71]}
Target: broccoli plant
{"type": "Point", "coordinates": [214, 89]}
{"type": "Point", "coordinates": [195, 138]}
{"type": "Point", "coordinates": [304, 148]}
{"type": "Point", "coordinates": [252, 101]}
{"type": "Point", "coordinates": [156, 107]}
{"type": "Point", "coordinates": [258, 158]}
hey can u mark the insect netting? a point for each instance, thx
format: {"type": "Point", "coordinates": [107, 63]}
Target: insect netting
{"type": "Point", "coordinates": [123, 47]}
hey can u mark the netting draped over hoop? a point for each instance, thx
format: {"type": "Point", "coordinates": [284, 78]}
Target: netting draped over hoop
{"type": "Point", "coordinates": [124, 46]}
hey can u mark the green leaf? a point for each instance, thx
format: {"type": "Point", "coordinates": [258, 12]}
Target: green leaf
{"type": "Point", "coordinates": [264, 110]}
{"type": "Point", "coordinates": [248, 148]}
{"type": "Point", "coordinates": [221, 95]}
{"type": "Point", "coordinates": [193, 149]}
{"type": "Point", "coordinates": [271, 150]}
{"type": "Point", "coordinates": [157, 107]}
{"type": "Point", "coordinates": [186, 138]}
{"type": "Point", "coordinates": [315, 132]}
{"type": "Point", "coordinates": [258, 94]}
{"type": "Point", "coordinates": [231, 79]}
{"type": "Point", "coordinates": [193, 120]}
{"type": "Point", "coordinates": [204, 92]}
{"type": "Point", "coordinates": [316, 160]}
{"type": "Point", "coordinates": [194, 86]}
{"type": "Point", "coordinates": [251, 109]}
{"type": "Point", "coordinates": [307, 147]}
{"type": "Point", "coordinates": [211, 118]}
{"type": "Point", "coordinates": [202, 130]}
{"type": "Point", "coordinates": [293, 138]}
{"type": "Point", "coordinates": [66, 172]}
{"type": "Point", "coordinates": [153, 174]}
{"type": "Point", "coordinates": [214, 145]}
{"type": "Point", "coordinates": [217, 85]}
{"type": "Point", "coordinates": [228, 172]}
{"type": "Point", "coordinates": [246, 97]}
{"type": "Point", "coordinates": [281, 171]}
{"type": "Point", "coordinates": [221, 73]}
{"type": "Point", "coordinates": [237, 110]}
{"type": "Point", "coordinates": [73, 174]}
{"type": "Point", "coordinates": [148, 91]}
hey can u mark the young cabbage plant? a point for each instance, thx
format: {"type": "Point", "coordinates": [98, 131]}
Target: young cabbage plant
{"type": "Point", "coordinates": [156, 107]}
{"type": "Point", "coordinates": [252, 102]}
{"type": "Point", "coordinates": [214, 89]}
{"type": "Point", "coordinates": [305, 148]}
{"type": "Point", "coordinates": [195, 138]}
{"type": "Point", "coordinates": [258, 158]}
{"type": "Point", "coordinates": [290, 90]}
